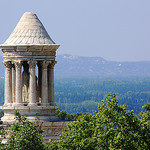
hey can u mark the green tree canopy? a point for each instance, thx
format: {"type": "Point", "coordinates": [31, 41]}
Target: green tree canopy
{"type": "Point", "coordinates": [111, 127]}
{"type": "Point", "coordinates": [23, 135]}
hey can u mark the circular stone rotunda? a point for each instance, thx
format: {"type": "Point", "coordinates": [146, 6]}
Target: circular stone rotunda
{"type": "Point", "coordinates": [29, 59]}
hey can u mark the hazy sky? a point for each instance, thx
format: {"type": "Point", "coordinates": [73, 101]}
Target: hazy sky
{"type": "Point", "coordinates": [113, 29]}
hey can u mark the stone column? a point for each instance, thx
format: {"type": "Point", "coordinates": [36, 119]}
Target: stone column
{"type": "Point", "coordinates": [51, 96]}
{"type": "Point", "coordinates": [18, 65]}
{"type": "Point", "coordinates": [13, 83]}
{"type": "Point", "coordinates": [39, 81]}
{"type": "Point", "coordinates": [44, 83]}
{"type": "Point", "coordinates": [32, 83]}
{"type": "Point", "coordinates": [8, 85]}
{"type": "Point", "coordinates": [25, 83]}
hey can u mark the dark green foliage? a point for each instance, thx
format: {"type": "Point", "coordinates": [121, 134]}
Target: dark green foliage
{"type": "Point", "coordinates": [24, 135]}
{"type": "Point", "coordinates": [63, 115]}
{"type": "Point", "coordinates": [147, 107]}
{"type": "Point", "coordinates": [1, 113]}
{"type": "Point", "coordinates": [111, 127]}
{"type": "Point", "coordinates": [82, 95]}
{"type": "Point", "coordinates": [2, 135]}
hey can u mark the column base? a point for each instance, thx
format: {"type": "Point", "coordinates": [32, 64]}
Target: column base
{"type": "Point", "coordinates": [32, 104]}
{"type": "Point", "coordinates": [44, 113]}
{"type": "Point", "coordinates": [52, 104]}
{"type": "Point", "coordinates": [18, 104]}
{"type": "Point", "coordinates": [45, 104]}
{"type": "Point", "coordinates": [8, 105]}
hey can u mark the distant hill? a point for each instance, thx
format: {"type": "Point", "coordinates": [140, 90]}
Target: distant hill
{"type": "Point", "coordinates": [77, 66]}
{"type": "Point", "coordinates": [69, 66]}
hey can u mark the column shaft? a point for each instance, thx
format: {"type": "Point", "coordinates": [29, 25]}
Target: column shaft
{"type": "Point", "coordinates": [32, 86]}
{"type": "Point", "coordinates": [18, 66]}
{"type": "Point", "coordinates": [39, 81]}
{"type": "Point", "coordinates": [25, 83]}
{"type": "Point", "coordinates": [8, 86]}
{"type": "Point", "coordinates": [51, 84]}
{"type": "Point", "coordinates": [44, 83]}
{"type": "Point", "coordinates": [13, 83]}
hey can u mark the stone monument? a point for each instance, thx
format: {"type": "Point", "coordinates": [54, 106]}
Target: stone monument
{"type": "Point", "coordinates": [30, 50]}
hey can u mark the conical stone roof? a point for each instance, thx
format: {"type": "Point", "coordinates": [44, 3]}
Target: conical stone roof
{"type": "Point", "coordinates": [29, 31]}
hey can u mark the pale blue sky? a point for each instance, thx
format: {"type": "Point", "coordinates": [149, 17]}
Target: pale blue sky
{"type": "Point", "coordinates": [113, 29]}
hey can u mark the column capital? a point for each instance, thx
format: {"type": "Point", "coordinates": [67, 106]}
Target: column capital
{"type": "Point", "coordinates": [7, 64]}
{"type": "Point", "coordinates": [52, 64]}
{"type": "Point", "coordinates": [13, 66]}
{"type": "Point", "coordinates": [18, 64]}
{"type": "Point", "coordinates": [32, 63]}
{"type": "Point", "coordinates": [45, 64]}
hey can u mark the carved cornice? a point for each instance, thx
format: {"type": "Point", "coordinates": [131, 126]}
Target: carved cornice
{"type": "Point", "coordinates": [30, 48]}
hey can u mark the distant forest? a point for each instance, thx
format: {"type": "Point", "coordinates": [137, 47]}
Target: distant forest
{"type": "Point", "coordinates": [82, 95]}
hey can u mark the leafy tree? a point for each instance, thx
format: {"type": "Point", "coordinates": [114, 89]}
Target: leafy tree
{"type": "Point", "coordinates": [1, 113]}
{"type": "Point", "coordinates": [74, 116]}
{"type": "Point", "coordinates": [24, 135]}
{"type": "Point", "coordinates": [145, 127]}
{"type": "Point", "coordinates": [111, 127]}
{"type": "Point", "coordinates": [63, 115]}
{"type": "Point", "coordinates": [2, 135]}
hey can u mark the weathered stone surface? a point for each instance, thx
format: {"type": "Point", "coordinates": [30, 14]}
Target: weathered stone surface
{"type": "Point", "coordinates": [25, 83]}
{"type": "Point", "coordinates": [33, 95]}
{"type": "Point", "coordinates": [45, 113]}
{"type": "Point", "coordinates": [8, 84]}
{"type": "Point", "coordinates": [30, 47]}
{"type": "Point", "coordinates": [18, 101]}
{"type": "Point", "coordinates": [51, 129]}
{"type": "Point", "coordinates": [29, 31]}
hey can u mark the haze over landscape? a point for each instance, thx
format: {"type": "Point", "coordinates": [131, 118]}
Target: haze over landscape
{"type": "Point", "coordinates": [115, 30]}
{"type": "Point", "coordinates": [98, 40]}
{"type": "Point", "coordinates": [99, 78]}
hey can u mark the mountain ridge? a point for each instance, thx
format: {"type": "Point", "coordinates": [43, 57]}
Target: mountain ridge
{"type": "Point", "coordinates": [69, 66]}
{"type": "Point", "coordinates": [81, 66]}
